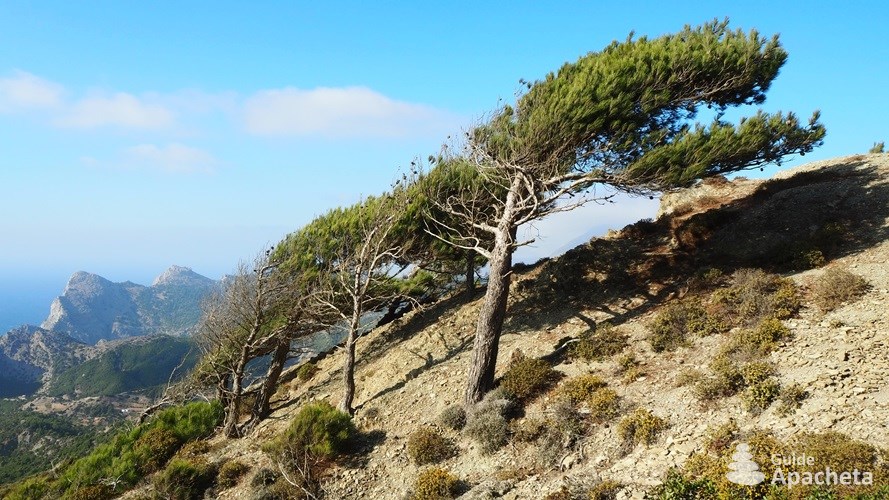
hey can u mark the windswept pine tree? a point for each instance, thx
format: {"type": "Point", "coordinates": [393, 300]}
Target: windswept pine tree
{"type": "Point", "coordinates": [626, 117]}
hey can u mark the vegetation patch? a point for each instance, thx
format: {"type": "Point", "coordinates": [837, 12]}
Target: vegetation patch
{"type": "Point", "coordinates": [306, 371]}
{"type": "Point", "coordinates": [427, 446]}
{"type": "Point", "coordinates": [603, 342]}
{"type": "Point", "coordinates": [640, 427]}
{"type": "Point", "coordinates": [526, 377]}
{"type": "Point", "coordinates": [231, 473]}
{"type": "Point", "coordinates": [435, 484]}
{"type": "Point", "coordinates": [678, 320]}
{"type": "Point", "coordinates": [185, 479]}
{"type": "Point", "coordinates": [453, 417]}
{"type": "Point", "coordinates": [836, 286]}
{"type": "Point", "coordinates": [486, 424]}
{"type": "Point", "coordinates": [756, 295]}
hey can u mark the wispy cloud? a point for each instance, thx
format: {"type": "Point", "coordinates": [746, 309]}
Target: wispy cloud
{"type": "Point", "coordinates": [173, 158]}
{"type": "Point", "coordinates": [23, 91]}
{"type": "Point", "coordinates": [340, 112]}
{"type": "Point", "coordinates": [120, 109]}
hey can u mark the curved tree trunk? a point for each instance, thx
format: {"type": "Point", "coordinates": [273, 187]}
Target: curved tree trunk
{"type": "Point", "coordinates": [349, 362]}
{"type": "Point", "coordinates": [493, 310]}
{"type": "Point", "coordinates": [470, 272]}
{"type": "Point", "coordinates": [270, 384]}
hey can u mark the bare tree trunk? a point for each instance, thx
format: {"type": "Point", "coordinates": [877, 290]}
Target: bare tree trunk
{"type": "Point", "coordinates": [349, 364]}
{"type": "Point", "coordinates": [470, 272]}
{"type": "Point", "coordinates": [233, 414]}
{"type": "Point", "coordinates": [493, 310]}
{"type": "Point", "coordinates": [270, 384]}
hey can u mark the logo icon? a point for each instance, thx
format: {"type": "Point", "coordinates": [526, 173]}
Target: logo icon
{"type": "Point", "coordinates": [744, 470]}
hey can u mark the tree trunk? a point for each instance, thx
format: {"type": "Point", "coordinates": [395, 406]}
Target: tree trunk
{"type": "Point", "coordinates": [349, 364]}
{"type": "Point", "coordinates": [233, 414]}
{"type": "Point", "coordinates": [470, 272]}
{"type": "Point", "coordinates": [493, 310]}
{"type": "Point", "coordinates": [270, 384]}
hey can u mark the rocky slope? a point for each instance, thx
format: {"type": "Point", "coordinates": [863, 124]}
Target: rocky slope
{"type": "Point", "coordinates": [30, 356]}
{"type": "Point", "coordinates": [92, 308]}
{"type": "Point", "coordinates": [411, 370]}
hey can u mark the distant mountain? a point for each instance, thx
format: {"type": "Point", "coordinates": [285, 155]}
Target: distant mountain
{"type": "Point", "coordinates": [92, 309]}
{"type": "Point", "coordinates": [30, 356]}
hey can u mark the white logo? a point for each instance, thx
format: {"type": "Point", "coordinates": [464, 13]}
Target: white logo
{"type": "Point", "coordinates": [744, 471]}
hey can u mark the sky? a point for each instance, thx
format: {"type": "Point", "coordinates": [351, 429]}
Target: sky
{"type": "Point", "coordinates": [135, 136]}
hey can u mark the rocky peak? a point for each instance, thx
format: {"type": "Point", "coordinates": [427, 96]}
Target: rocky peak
{"type": "Point", "coordinates": [179, 275]}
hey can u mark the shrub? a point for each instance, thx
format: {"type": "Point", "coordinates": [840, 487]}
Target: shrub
{"type": "Point", "coordinates": [321, 429]}
{"type": "Point", "coordinates": [154, 448]}
{"type": "Point", "coordinates": [677, 486]}
{"type": "Point", "coordinates": [606, 490]}
{"type": "Point", "coordinates": [605, 341]}
{"type": "Point", "coordinates": [527, 430]}
{"type": "Point", "coordinates": [426, 446]}
{"type": "Point", "coordinates": [675, 322]}
{"type": "Point", "coordinates": [193, 449]}
{"type": "Point", "coordinates": [527, 377]}
{"type": "Point", "coordinates": [435, 484]}
{"type": "Point", "coordinates": [836, 286]}
{"type": "Point", "coordinates": [760, 340]}
{"type": "Point", "coordinates": [231, 473]}
{"type": "Point", "coordinates": [641, 426]}
{"type": "Point", "coordinates": [757, 397]}
{"type": "Point", "coordinates": [792, 397]}
{"type": "Point", "coordinates": [809, 259]}
{"type": "Point", "coordinates": [453, 417]}
{"type": "Point", "coordinates": [720, 439]}
{"type": "Point", "coordinates": [689, 376]}
{"type": "Point", "coordinates": [306, 371]}
{"type": "Point", "coordinates": [581, 388]}
{"type": "Point", "coordinates": [604, 405]}
{"type": "Point", "coordinates": [486, 423]}
{"type": "Point", "coordinates": [878, 147]}
{"type": "Point", "coordinates": [185, 479]}
{"type": "Point", "coordinates": [756, 372]}
{"type": "Point", "coordinates": [91, 492]}
{"type": "Point", "coordinates": [756, 295]}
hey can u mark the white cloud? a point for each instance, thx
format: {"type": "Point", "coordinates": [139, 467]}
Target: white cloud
{"type": "Point", "coordinates": [120, 109]}
{"type": "Point", "coordinates": [340, 112]}
{"type": "Point", "coordinates": [26, 91]}
{"type": "Point", "coordinates": [174, 158]}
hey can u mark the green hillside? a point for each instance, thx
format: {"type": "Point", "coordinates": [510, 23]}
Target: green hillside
{"type": "Point", "coordinates": [128, 367]}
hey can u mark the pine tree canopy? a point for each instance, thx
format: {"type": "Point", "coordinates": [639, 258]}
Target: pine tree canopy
{"type": "Point", "coordinates": [628, 113]}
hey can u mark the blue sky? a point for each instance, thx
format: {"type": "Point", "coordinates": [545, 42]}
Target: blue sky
{"type": "Point", "coordinates": [135, 136]}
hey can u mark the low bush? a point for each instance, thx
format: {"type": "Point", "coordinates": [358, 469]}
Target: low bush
{"type": "Point", "coordinates": [676, 321]}
{"type": "Point", "coordinates": [581, 388]}
{"type": "Point", "coordinates": [321, 430]}
{"type": "Point", "coordinates": [640, 427]}
{"type": "Point", "coordinates": [426, 446]}
{"type": "Point", "coordinates": [604, 405]}
{"type": "Point", "coordinates": [528, 429]}
{"type": "Point", "coordinates": [758, 396]}
{"type": "Point", "coordinates": [604, 342]}
{"type": "Point", "coordinates": [306, 371]}
{"type": "Point", "coordinates": [605, 490]}
{"type": "Point", "coordinates": [231, 473]}
{"type": "Point", "coordinates": [677, 486]}
{"type": "Point", "coordinates": [792, 397]}
{"type": "Point", "coordinates": [526, 377]}
{"type": "Point", "coordinates": [486, 423]}
{"type": "Point", "coordinates": [435, 484]}
{"type": "Point", "coordinates": [154, 448]}
{"type": "Point", "coordinates": [185, 479]}
{"type": "Point", "coordinates": [756, 295]}
{"type": "Point", "coordinates": [758, 341]}
{"type": "Point", "coordinates": [720, 439]}
{"type": "Point", "coordinates": [836, 286]}
{"type": "Point", "coordinates": [453, 417]}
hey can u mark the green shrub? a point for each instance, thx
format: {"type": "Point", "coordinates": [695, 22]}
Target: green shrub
{"type": "Point", "coordinates": [306, 371]}
{"type": "Point", "coordinates": [321, 429]}
{"type": "Point", "coordinates": [27, 489]}
{"type": "Point", "coordinates": [756, 372]}
{"type": "Point", "coordinates": [676, 486]}
{"type": "Point", "coordinates": [453, 417]}
{"type": "Point", "coordinates": [641, 426]}
{"type": "Point", "coordinates": [809, 259]}
{"type": "Point", "coordinates": [676, 321]}
{"type": "Point", "coordinates": [91, 492]}
{"type": "Point", "coordinates": [486, 423]}
{"type": "Point", "coordinates": [528, 429]}
{"type": "Point", "coordinates": [185, 479]}
{"type": "Point", "coordinates": [792, 397]}
{"type": "Point", "coordinates": [435, 484]}
{"type": "Point", "coordinates": [720, 439]}
{"type": "Point", "coordinates": [426, 446]}
{"type": "Point", "coordinates": [756, 295]}
{"type": "Point", "coordinates": [604, 342]}
{"type": "Point", "coordinates": [605, 490]}
{"type": "Point", "coordinates": [527, 377]}
{"type": "Point", "coordinates": [581, 388]}
{"type": "Point", "coordinates": [760, 340]}
{"type": "Point", "coordinates": [154, 448]}
{"type": "Point", "coordinates": [604, 405]}
{"type": "Point", "coordinates": [231, 473]}
{"type": "Point", "coordinates": [877, 148]}
{"type": "Point", "coordinates": [758, 396]}
{"type": "Point", "coordinates": [689, 376]}
{"type": "Point", "coordinates": [836, 286]}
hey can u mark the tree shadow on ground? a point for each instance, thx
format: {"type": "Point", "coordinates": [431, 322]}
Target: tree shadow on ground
{"type": "Point", "coordinates": [783, 226]}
